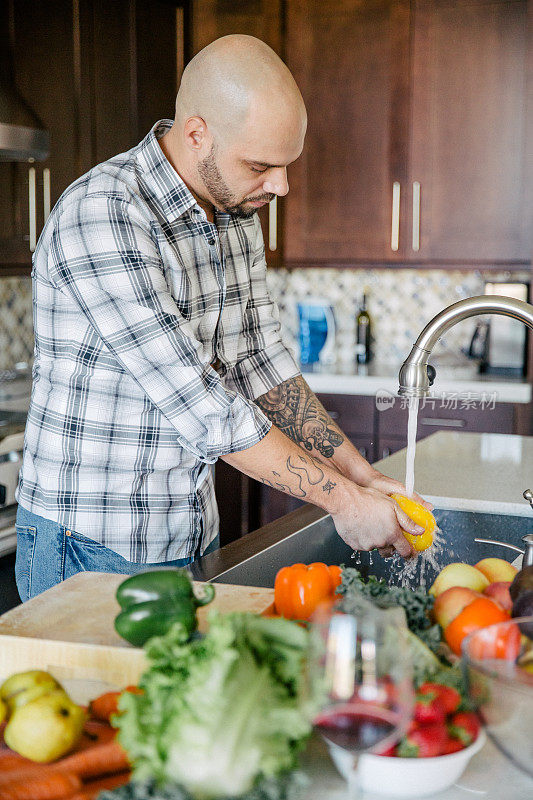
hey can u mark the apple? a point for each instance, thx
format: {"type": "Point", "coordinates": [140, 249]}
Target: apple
{"type": "Point", "coordinates": [46, 728]}
{"type": "Point", "coordinates": [459, 574]}
{"type": "Point", "coordinates": [496, 570]}
{"type": "Point", "coordinates": [451, 602]}
{"type": "Point", "coordinates": [23, 687]}
{"type": "Point", "coordinates": [499, 591]}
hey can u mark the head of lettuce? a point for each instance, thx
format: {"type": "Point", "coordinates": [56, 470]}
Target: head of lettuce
{"type": "Point", "coordinates": [220, 713]}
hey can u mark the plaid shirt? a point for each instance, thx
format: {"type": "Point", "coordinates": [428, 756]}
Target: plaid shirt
{"type": "Point", "coordinates": [136, 294]}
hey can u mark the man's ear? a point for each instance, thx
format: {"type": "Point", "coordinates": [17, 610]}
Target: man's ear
{"type": "Point", "coordinates": [196, 133]}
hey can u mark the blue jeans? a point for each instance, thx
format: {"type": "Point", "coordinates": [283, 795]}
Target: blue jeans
{"type": "Point", "coordinates": [48, 553]}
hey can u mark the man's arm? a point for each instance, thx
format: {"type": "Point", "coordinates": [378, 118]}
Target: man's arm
{"type": "Point", "coordinates": [295, 409]}
{"type": "Point", "coordinates": [364, 517]}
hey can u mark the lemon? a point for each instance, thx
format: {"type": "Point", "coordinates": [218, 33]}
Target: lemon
{"type": "Point", "coordinates": [422, 517]}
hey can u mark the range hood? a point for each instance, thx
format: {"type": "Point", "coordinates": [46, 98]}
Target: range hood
{"type": "Point", "coordinates": [23, 136]}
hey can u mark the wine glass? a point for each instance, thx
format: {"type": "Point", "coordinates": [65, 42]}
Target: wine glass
{"type": "Point", "coordinates": [358, 679]}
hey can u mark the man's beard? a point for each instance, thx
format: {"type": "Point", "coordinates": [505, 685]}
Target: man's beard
{"type": "Point", "coordinates": [220, 191]}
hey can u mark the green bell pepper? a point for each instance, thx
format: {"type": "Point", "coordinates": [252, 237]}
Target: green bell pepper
{"type": "Point", "coordinates": [152, 601]}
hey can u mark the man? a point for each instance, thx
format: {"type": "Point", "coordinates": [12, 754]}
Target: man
{"type": "Point", "coordinates": [158, 349]}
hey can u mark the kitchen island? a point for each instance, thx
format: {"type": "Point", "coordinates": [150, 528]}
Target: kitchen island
{"type": "Point", "coordinates": [258, 555]}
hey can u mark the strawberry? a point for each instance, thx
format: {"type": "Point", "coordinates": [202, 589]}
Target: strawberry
{"type": "Point", "coordinates": [424, 742]}
{"type": "Point", "coordinates": [428, 709]}
{"type": "Point", "coordinates": [449, 697]}
{"type": "Point", "coordinates": [465, 726]}
{"type": "Point", "coordinates": [452, 745]}
{"type": "Point", "coordinates": [390, 751]}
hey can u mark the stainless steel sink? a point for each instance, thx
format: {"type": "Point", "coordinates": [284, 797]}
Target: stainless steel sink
{"type": "Point", "coordinates": [308, 535]}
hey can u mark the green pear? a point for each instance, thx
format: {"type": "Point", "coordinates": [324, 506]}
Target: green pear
{"type": "Point", "coordinates": [46, 728]}
{"type": "Point", "coordinates": [3, 711]}
{"type": "Point", "coordinates": [23, 687]}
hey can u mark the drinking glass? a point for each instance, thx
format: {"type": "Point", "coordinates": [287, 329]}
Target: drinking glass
{"type": "Point", "coordinates": [358, 679]}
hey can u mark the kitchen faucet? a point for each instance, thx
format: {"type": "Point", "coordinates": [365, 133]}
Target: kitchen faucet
{"type": "Point", "coordinates": [416, 375]}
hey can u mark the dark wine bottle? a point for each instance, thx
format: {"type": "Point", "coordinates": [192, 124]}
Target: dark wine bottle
{"type": "Point", "coordinates": [364, 332]}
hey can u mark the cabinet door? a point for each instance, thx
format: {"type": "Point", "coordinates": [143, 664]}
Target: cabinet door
{"type": "Point", "coordinates": [263, 19]}
{"type": "Point", "coordinates": [467, 412]}
{"type": "Point", "coordinates": [43, 60]}
{"type": "Point", "coordinates": [350, 59]}
{"type": "Point", "coordinates": [468, 148]}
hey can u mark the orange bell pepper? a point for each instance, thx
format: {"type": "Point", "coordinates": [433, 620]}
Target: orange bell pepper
{"type": "Point", "coordinates": [300, 588]}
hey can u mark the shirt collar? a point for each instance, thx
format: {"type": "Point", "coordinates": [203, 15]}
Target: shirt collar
{"type": "Point", "coordinates": [161, 181]}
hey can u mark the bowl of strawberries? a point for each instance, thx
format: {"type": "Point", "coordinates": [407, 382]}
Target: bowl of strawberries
{"type": "Point", "coordinates": [441, 739]}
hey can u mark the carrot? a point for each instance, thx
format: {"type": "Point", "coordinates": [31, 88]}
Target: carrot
{"type": "Point", "coordinates": [10, 760]}
{"type": "Point", "coordinates": [106, 704]}
{"type": "Point", "coordinates": [92, 789]}
{"type": "Point", "coordinates": [17, 771]}
{"type": "Point", "coordinates": [92, 761]}
{"type": "Point", "coordinates": [94, 732]}
{"type": "Point", "coordinates": [48, 786]}
{"type": "Point", "coordinates": [102, 759]}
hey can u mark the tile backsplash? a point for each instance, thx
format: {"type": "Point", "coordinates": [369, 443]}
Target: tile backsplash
{"type": "Point", "coordinates": [400, 302]}
{"type": "Point", "coordinates": [16, 321]}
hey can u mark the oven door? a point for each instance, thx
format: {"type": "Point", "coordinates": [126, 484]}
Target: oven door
{"type": "Point", "coordinates": [8, 536]}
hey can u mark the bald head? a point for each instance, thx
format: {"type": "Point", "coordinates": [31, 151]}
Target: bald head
{"type": "Point", "coordinates": [240, 121]}
{"type": "Point", "coordinates": [237, 81]}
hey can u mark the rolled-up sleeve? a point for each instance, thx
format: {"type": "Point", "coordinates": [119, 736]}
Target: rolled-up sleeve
{"type": "Point", "coordinates": [264, 361]}
{"type": "Point", "coordinates": [103, 257]}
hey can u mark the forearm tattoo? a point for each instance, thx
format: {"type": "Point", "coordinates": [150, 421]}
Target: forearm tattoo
{"type": "Point", "coordinates": [306, 471]}
{"type": "Point", "coordinates": [294, 409]}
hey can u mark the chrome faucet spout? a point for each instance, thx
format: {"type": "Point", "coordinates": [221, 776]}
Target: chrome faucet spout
{"type": "Point", "coordinates": [414, 378]}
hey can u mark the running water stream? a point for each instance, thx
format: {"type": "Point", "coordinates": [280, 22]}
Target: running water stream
{"type": "Point", "coordinates": [411, 446]}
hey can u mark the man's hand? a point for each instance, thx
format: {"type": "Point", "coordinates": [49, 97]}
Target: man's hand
{"type": "Point", "coordinates": [387, 485]}
{"type": "Point", "coordinates": [372, 519]}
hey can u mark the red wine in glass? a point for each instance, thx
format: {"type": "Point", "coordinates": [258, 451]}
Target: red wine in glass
{"type": "Point", "coordinates": [356, 727]}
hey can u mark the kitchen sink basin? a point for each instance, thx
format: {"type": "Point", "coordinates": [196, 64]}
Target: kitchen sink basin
{"type": "Point", "coordinates": [308, 535]}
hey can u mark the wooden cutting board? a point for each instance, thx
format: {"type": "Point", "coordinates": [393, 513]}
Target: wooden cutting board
{"type": "Point", "coordinates": [68, 630]}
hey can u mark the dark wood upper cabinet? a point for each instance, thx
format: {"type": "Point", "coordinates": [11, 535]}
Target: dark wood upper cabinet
{"type": "Point", "coordinates": [435, 94]}
{"type": "Point", "coordinates": [469, 132]}
{"type": "Point", "coordinates": [350, 59]}
{"type": "Point", "coordinates": [430, 95]}
{"type": "Point", "coordinates": [88, 69]}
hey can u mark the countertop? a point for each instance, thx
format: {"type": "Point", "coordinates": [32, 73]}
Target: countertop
{"type": "Point", "coordinates": [470, 471]}
{"type": "Point", "coordinates": [488, 776]}
{"type": "Point", "coordinates": [462, 379]}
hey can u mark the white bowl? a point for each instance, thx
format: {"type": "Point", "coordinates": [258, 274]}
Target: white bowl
{"type": "Point", "coordinates": [406, 777]}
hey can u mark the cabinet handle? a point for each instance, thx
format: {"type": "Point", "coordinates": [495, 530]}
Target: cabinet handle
{"type": "Point", "coordinates": [385, 453]}
{"type": "Point", "coordinates": [32, 208]}
{"type": "Point", "coordinates": [273, 224]}
{"type": "Point", "coordinates": [395, 235]}
{"type": "Point", "coordinates": [362, 451]}
{"type": "Point", "coordinates": [46, 193]}
{"type": "Point", "coordinates": [416, 216]}
{"type": "Point", "coordinates": [443, 423]}
{"type": "Point", "coordinates": [333, 414]}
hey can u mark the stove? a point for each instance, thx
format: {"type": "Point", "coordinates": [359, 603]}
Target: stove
{"type": "Point", "coordinates": [15, 389]}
